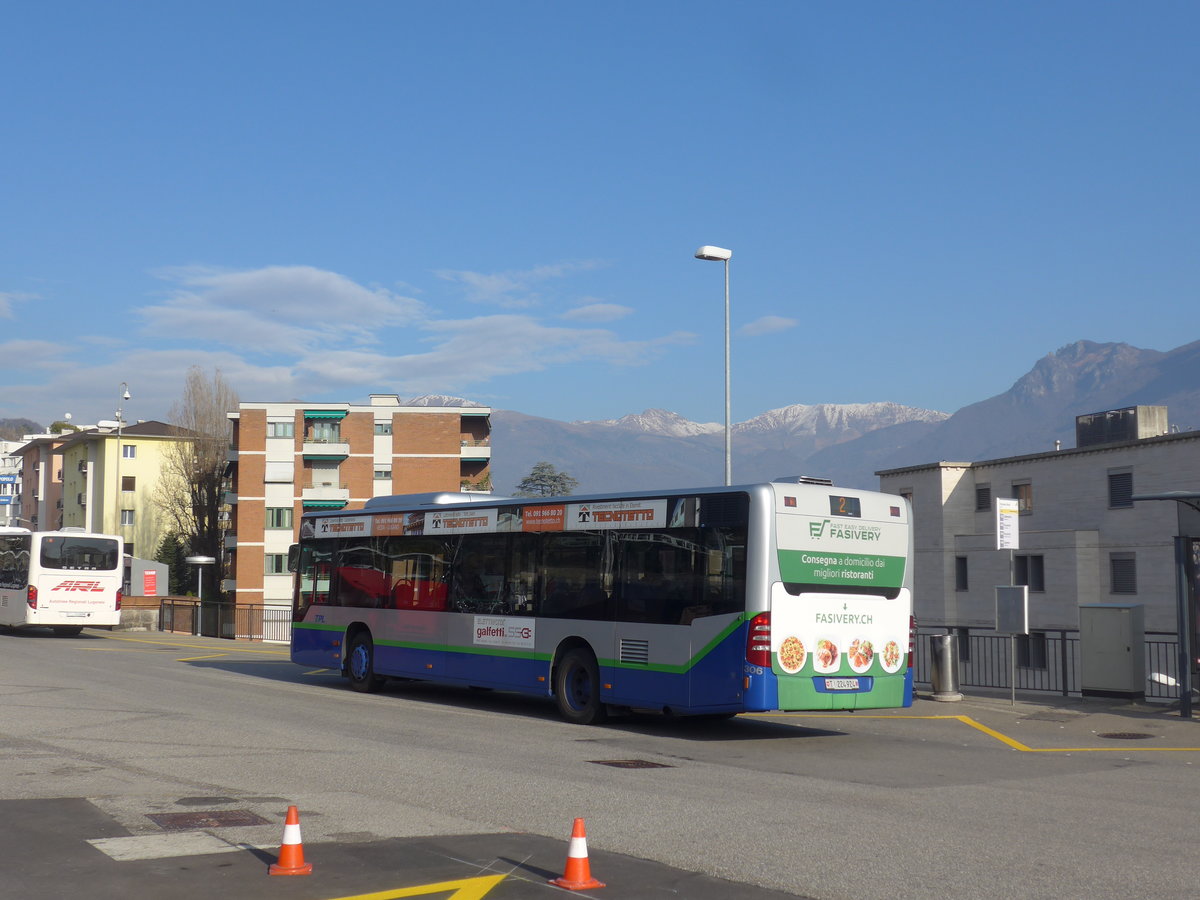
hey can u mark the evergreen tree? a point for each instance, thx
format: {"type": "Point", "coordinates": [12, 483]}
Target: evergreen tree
{"type": "Point", "coordinates": [172, 554]}
{"type": "Point", "coordinates": [544, 480]}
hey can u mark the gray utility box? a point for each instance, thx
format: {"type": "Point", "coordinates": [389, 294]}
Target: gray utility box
{"type": "Point", "coordinates": [1112, 650]}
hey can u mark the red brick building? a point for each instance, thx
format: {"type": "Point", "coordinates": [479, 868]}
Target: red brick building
{"type": "Point", "coordinates": [288, 458]}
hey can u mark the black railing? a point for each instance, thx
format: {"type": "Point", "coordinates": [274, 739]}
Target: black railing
{"type": "Point", "coordinates": [236, 621]}
{"type": "Point", "coordinates": [1047, 661]}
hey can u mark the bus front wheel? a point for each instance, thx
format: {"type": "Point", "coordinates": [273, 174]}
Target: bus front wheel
{"type": "Point", "coordinates": [360, 664]}
{"type": "Point", "coordinates": [577, 688]}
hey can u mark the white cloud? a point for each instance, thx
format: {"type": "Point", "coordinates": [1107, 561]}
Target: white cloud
{"type": "Point", "coordinates": [767, 325]}
{"type": "Point", "coordinates": [470, 352]}
{"type": "Point", "coordinates": [275, 307]}
{"type": "Point", "coordinates": [9, 300]}
{"type": "Point", "coordinates": [499, 287]}
{"type": "Point", "coordinates": [597, 312]}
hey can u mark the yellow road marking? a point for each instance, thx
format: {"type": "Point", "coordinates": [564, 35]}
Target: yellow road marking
{"type": "Point", "coordinates": [990, 732]}
{"type": "Point", "coordinates": [464, 889]}
{"type": "Point", "coordinates": [194, 658]}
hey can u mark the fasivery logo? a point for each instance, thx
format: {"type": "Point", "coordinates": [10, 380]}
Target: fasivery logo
{"type": "Point", "coordinates": [817, 529]}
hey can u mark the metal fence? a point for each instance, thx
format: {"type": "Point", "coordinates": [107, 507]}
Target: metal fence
{"type": "Point", "coordinates": [236, 621]}
{"type": "Point", "coordinates": [1045, 661]}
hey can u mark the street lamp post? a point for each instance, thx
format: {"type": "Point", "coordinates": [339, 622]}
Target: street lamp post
{"type": "Point", "coordinates": [723, 255]}
{"type": "Point", "coordinates": [120, 425]}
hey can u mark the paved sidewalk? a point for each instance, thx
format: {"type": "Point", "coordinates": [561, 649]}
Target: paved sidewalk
{"type": "Point", "coordinates": [1053, 722]}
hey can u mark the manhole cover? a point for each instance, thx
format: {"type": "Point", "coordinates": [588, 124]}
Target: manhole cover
{"type": "Point", "coordinates": [1126, 735]}
{"type": "Point", "coordinates": [228, 818]}
{"type": "Point", "coordinates": [631, 764]}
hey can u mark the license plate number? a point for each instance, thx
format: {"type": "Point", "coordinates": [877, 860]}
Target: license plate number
{"type": "Point", "coordinates": [841, 684]}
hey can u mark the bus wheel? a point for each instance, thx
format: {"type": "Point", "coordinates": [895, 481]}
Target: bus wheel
{"type": "Point", "coordinates": [577, 688]}
{"type": "Point", "coordinates": [66, 630]}
{"type": "Point", "coordinates": [360, 664]}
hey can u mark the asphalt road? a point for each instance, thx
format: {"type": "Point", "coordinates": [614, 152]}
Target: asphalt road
{"type": "Point", "coordinates": [107, 740]}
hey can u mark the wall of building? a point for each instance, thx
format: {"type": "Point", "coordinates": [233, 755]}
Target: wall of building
{"type": "Point", "coordinates": [1070, 525]}
{"type": "Point", "coordinates": [423, 452]}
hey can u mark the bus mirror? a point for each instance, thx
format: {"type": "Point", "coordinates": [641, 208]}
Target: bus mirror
{"type": "Point", "coordinates": [293, 557]}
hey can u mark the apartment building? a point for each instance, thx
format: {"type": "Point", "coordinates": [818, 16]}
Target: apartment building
{"type": "Point", "coordinates": [1083, 539]}
{"type": "Point", "coordinates": [288, 458]}
{"type": "Point", "coordinates": [40, 497]}
{"type": "Point", "coordinates": [110, 482]}
{"type": "Point", "coordinates": [10, 484]}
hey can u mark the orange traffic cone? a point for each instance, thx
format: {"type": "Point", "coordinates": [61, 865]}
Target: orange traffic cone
{"type": "Point", "coordinates": [578, 875]}
{"type": "Point", "coordinates": [291, 852]}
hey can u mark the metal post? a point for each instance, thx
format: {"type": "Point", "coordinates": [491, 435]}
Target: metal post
{"type": "Point", "coordinates": [728, 431]}
{"type": "Point", "coordinates": [1185, 637]}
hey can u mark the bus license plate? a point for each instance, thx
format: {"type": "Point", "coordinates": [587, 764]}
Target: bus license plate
{"type": "Point", "coordinates": [841, 684]}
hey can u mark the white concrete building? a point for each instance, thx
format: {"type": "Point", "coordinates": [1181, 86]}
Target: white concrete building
{"type": "Point", "coordinates": [1083, 540]}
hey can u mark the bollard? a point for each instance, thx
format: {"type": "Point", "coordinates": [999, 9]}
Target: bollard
{"type": "Point", "coordinates": [944, 668]}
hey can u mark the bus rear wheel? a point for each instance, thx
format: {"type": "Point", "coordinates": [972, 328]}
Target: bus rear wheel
{"type": "Point", "coordinates": [577, 688]}
{"type": "Point", "coordinates": [360, 664]}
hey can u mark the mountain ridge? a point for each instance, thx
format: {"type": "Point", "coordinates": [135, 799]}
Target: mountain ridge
{"type": "Point", "coordinates": [850, 442]}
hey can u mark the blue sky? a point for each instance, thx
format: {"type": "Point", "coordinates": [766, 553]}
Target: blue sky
{"type": "Point", "coordinates": [501, 200]}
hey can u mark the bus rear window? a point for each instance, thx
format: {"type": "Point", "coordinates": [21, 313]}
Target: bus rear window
{"type": "Point", "coordinates": [98, 554]}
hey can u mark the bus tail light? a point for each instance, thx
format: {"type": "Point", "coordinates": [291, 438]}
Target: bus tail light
{"type": "Point", "coordinates": [912, 639]}
{"type": "Point", "coordinates": [31, 596]}
{"type": "Point", "coordinates": [118, 606]}
{"type": "Point", "coordinates": [758, 641]}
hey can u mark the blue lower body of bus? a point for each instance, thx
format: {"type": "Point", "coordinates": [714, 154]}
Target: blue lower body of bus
{"type": "Point", "coordinates": [720, 680]}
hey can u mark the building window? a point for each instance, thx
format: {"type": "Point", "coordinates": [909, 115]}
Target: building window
{"type": "Point", "coordinates": [127, 483]}
{"type": "Point", "coordinates": [1120, 490]}
{"type": "Point", "coordinates": [279, 517]}
{"type": "Point", "coordinates": [960, 574]}
{"type": "Point", "coordinates": [1122, 568]}
{"type": "Point", "coordinates": [983, 497]}
{"type": "Point", "coordinates": [383, 474]}
{"type": "Point", "coordinates": [1030, 570]}
{"type": "Point", "coordinates": [281, 429]}
{"type": "Point", "coordinates": [276, 564]}
{"type": "Point", "coordinates": [1031, 650]}
{"type": "Point", "coordinates": [127, 517]}
{"type": "Point", "coordinates": [1023, 493]}
{"type": "Point", "coordinates": [383, 427]}
{"type": "Point", "coordinates": [129, 451]}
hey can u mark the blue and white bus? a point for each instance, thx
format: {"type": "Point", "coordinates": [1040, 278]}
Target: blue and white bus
{"type": "Point", "coordinates": [792, 595]}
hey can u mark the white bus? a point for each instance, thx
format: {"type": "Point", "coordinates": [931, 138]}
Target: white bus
{"type": "Point", "coordinates": [63, 580]}
{"type": "Point", "coordinates": [705, 601]}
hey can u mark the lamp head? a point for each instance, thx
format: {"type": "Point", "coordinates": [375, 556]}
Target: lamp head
{"type": "Point", "coordinates": [717, 253]}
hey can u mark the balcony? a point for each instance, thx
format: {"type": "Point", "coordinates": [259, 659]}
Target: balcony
{"type": "Point", "coordinates": [325, 449]}
{"type": "Point", "coordinates": [475, 451]}
{"type": "Point", "coordinates": [230, 540]}
{"type": "Point", "coordinates": [325, 493]}
{"type": "Point", "coordinates": [229, 498]}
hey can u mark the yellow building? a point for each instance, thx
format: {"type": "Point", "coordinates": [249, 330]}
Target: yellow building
{"type": "Point", "coordinates": [110, 483]}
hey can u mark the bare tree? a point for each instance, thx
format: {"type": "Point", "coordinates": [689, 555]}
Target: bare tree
{"type": "Point", "coordinates": [192, 482]}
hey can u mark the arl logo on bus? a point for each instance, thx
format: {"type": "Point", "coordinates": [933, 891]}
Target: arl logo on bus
{"type": "Point", "coordinates": [75, 585]}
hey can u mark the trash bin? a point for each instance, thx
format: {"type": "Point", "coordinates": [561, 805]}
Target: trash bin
{"type": "Point", "coordinates": [944, 668]}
